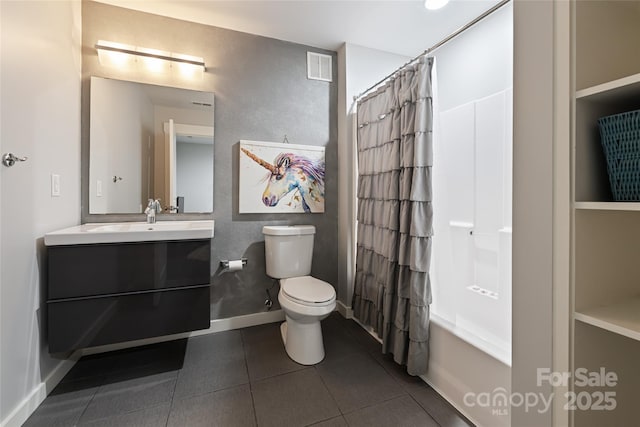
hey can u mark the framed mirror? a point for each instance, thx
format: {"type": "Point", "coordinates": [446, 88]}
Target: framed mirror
{"type": "Point", "coordinates": [149, 142]}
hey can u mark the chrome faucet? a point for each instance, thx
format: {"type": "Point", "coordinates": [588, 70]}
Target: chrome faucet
{"type": "Point", "coordinates": [152, 209]}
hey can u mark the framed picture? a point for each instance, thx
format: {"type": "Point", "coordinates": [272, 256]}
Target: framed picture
{"type": "Point", "coordinates": [281, 178]}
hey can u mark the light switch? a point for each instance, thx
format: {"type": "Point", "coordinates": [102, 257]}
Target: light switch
{"type": "Point", "coordinates": [98, 188]}
{"type": "Point", "coordinates": [55, 185]}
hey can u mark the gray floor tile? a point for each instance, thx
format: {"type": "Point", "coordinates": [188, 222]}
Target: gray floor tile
{"type": "Point", "coordinates": [211, 375]}
{"type": "Point", "coordinates": [441, 410]}
{"type": "Point", "coordinates": [97, 365]}
{"type": "Point", "coordinates": [150, 359]}
{"type": "Point", "coordinates": [64, 405]}
{"type": "Point", "coordinates": [362, 337]}
{"type": "Point", "coordinates": [153, 416]}
{"type": "Point", "coordinates": [398, 372]}
{"type": "Point", "coordinates": [337, 341]}
{"type": "Point", "coordinates": [357, 380]}
{"type": "Point", "coordinates": [265, 353]}
{"type": "Point", "coordinates": [225, 408]}
{"type": "Point", "coordinates": [208, 347]}
{"type": "Point", "coordinates": [334, 321]}
{"type": "Point", "coordinates": [399, 412]}
{"type": "Point", "coordinates": [202, 381]}
{"type": "Point", "coordinates": [333, 422]}
{"type": "Point", "coordinates": [294, 399]}
{"type": "Point", "coordinates": [122, 395]}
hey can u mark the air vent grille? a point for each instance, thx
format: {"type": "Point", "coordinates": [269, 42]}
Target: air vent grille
{"type": "Point", "coordinates": [319, 67]}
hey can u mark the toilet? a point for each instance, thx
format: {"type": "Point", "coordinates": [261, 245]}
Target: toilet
{"type": "Point", "coordinates": [305, 300]}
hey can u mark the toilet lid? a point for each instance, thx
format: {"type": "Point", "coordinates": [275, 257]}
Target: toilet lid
{"type": "Point", "coordinates": [307, 290]}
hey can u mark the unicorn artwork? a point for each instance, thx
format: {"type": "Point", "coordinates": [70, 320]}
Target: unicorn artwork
{"type": "Point", "coordinates": [294, 181]}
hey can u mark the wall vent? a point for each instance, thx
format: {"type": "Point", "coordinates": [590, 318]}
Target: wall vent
{"type": "Point", "coordinates": [319, 67]}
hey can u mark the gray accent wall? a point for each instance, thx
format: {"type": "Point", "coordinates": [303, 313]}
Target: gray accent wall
{"type": "Point", "coordinates": [262, 93]}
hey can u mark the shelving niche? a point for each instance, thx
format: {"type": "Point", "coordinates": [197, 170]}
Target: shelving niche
{"type": "Point", "coordinates": [618, 96]}
{"type": "Point", "coordinates": [606, 234]}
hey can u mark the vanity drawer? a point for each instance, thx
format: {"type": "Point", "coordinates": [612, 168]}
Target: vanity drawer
{"type": "Point", "coordinates": [101, 269]}
{"type": "Point", "coordinates": [89, 322]}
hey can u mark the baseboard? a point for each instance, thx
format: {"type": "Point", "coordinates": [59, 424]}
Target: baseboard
{"type": "Point", "coordinates": [25, 408]}
{"type": "Point", "coordinates": [346, 311]}
{"type": "Point", "coordinates": [245, 321]}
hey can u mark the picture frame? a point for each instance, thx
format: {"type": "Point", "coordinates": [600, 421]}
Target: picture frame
{"type": "Point", "coordinates": [281, 178]}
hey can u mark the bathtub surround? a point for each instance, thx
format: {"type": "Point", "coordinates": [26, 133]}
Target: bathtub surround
{"type": "Point", "coordinates": [471, 267]}
{"type": "Point", "coordinates": [262, 93]}
{"type": "Point", "coordinates": [395, 153]}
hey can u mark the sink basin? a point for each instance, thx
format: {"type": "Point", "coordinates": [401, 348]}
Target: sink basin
{"type": "Point", "coordinates": [139, 226]}
{"type": "Point", "coordinates": [122, 232]}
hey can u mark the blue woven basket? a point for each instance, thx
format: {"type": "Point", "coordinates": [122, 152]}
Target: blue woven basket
{"type": "Point", "coordinates": [620, 137]}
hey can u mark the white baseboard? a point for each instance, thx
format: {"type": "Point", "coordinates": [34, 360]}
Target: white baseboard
{"type": "Point", "coordinates": [346, 311]}
{"type": "Point", "coordinates": [245, 321]}
{"type": "Point", "coordinates": [21, 413]}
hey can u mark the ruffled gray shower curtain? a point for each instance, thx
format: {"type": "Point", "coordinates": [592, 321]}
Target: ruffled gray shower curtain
{"type": "Point", "coordinates": [392, 290]}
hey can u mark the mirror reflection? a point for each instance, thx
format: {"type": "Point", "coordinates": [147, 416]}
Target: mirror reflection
{"type": "Point", "coordinates": [149, 142]}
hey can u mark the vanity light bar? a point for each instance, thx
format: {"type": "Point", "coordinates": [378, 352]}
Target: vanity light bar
{"type": "Point", "coordinates": [144, 52]}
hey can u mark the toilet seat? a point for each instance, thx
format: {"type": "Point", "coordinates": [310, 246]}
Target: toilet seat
{"type": "Point", "coordinates": [308, 291]}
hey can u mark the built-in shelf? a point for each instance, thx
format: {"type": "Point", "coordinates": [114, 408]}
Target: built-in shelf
{"type": "Point", "coordinates": [605, 234]}
{"type": "Point", "coordinates": [608, 206]}
{"type": "Point", "coordinates": [622, 318]}
{"type": "Point", "coordinates": [625, 87]}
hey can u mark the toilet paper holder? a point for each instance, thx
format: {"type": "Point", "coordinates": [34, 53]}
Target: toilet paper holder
{"type": "Point", "coordinates": [224, 263]}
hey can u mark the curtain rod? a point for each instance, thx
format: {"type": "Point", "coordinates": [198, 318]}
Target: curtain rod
{"type": "Point", "coordinates": [437, 45]}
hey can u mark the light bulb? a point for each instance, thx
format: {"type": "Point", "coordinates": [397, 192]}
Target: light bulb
{"type": "Point", "coordinates": [435, 4]}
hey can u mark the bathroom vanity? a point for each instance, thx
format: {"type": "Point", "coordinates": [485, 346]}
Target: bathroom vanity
{"type": "Point", "coordinates": [110, 283]}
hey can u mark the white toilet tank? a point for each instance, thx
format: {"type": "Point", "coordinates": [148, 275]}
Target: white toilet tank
{"type": "Point", "coordinates": [288, 250]}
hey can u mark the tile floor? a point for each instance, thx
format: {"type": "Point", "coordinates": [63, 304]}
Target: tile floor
{"type": "Point", "coordinates": [245, 378]}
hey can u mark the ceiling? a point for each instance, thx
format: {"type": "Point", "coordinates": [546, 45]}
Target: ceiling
{"type": "Point", "coordinates": [399, 26]}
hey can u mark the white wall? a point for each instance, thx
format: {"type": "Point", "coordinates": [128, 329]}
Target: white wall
{"type": "Point", "coordinates": [358, 68]}
{"type": "Point", "coordinates": [40, 114]}
{"type": "Point", "coordinates": [478, 62]}
{"type": "Point", "coordinates": [117, 150]}
{"type": "Point", "coordinates": [533, 192]}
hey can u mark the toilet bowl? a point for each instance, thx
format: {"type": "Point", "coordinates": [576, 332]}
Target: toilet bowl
{"type": "Point", "coordinates": [305, 301]}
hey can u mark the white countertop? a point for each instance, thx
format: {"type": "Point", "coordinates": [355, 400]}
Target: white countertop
{"type": "Point", "coordinates": [122, 232]}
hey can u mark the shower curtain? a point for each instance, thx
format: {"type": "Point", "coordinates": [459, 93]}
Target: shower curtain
{"type": "Point", "coordinates": [392, 291]}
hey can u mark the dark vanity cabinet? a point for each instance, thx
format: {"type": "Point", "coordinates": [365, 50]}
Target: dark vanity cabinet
{"type": "Point", "coordinates": [114, 292]}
